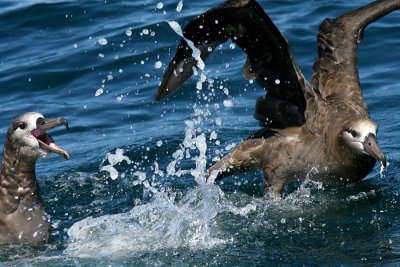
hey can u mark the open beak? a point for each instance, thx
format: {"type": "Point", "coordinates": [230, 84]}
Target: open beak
{"type": "Point", "coordinates": [371, 147]}
{"type": "Point", "coordinates": [44, 139]}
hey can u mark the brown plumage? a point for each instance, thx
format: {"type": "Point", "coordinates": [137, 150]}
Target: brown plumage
{"type": "Point", "coordinates": [22, 216]}
{"type": "Point", "coordinates": [322, 131]}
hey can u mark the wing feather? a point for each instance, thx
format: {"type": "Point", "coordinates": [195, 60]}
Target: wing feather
{"type": "Point", "coordinates": [269, 59]}
{"type": "Point", "coordinates": [335, 73]}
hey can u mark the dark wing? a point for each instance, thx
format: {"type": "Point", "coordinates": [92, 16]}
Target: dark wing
{"type": "Point", "coordinates": [336, 70]}
{"type": "Point", "coordinates": [269, 59]}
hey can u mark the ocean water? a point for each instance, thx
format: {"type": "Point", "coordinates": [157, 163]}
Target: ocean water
{"type": "Point", "coordinates": [132, 193]}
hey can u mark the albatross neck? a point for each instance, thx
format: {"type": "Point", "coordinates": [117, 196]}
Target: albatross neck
{"type": "Point", "coordinates": [17, 174]}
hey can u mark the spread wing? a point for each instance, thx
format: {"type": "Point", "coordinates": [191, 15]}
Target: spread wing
{"type": "Point", "coordinates": [335, 73]}
{"type": "Point", "coordinates": [269, 60]}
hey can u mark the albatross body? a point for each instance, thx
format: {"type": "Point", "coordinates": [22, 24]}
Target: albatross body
{"type": "Point", "coordinates": [321, 130]}
{"type": "Point", "coordinates": [22, 216]}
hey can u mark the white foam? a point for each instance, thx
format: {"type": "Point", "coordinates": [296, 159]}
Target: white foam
{"type": "Point", "coordinates": [157, 225]}
{"type": "Point", "coordinates": [361, 196]}
{"type": "Point", "coordinates": [163, 222]}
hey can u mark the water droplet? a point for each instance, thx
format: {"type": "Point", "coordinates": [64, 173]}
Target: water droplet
{"type": "Point", "coordinates": [102, 41]}
{"type": "Point", "coordinates": [199, 85]}
{"type": "Point", "coordinates": [158, 64]}
{"type": "Point", "coordinates": [179, 6]}
{"type": "Point", "coordinates": [99, 92]}
{"type": "Point", "coordinates": [228, 103]}
{"type": "Point", "coordinates": [213, 135]}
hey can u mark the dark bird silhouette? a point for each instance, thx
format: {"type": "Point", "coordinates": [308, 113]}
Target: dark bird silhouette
{"type": "Point", "coordinates": [22, 216]}
{"type": "Point", "coordinates": [320, 130]}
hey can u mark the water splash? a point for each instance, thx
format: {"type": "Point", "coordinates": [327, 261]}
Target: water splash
{"type": "Point", "coordinates": [195, 51]}
{"type": "Point", "coordinates": [382, 169]}
{"type": "Point", "coordinates": [160, 224]}
{"type": "Point", "coordinates": [165, 222]}
{"type": "Point", "coordinates": [114, 159]}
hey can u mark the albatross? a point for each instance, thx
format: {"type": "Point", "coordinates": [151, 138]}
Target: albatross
{"type": "Point", "coordinates": [22, 216]}
{"type": "Point", "coordinates": [321, 130]}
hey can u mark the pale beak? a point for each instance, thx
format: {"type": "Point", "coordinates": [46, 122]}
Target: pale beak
{"type": "Point", "coordinates": [44, 139]}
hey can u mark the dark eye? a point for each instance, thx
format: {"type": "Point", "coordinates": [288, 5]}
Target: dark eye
{"type": "Point", "coordinates": [22, 125]}
{"type": "Point", "coordinates": [352, 132]}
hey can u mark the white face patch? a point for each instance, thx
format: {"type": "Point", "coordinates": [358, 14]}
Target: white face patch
{"type": "Point", "coordinates": [356, 133]}
{"type": "Point", "coordinates": [22, 136]}
{"type": "Point", "coordinates": [365, 128]}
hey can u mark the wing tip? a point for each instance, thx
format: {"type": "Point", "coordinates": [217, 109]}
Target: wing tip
{"type": "Point", "coordinates": [161, 94]}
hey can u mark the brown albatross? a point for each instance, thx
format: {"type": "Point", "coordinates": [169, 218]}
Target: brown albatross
{"type": "Point", "coordinates": [320, 130]}
{"type": "Point", "coordinates": [22, 216]}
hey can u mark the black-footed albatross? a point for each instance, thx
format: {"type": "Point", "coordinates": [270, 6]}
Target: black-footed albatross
{"type": "Point", "coordinates": [22, 216]}
{"type": "Point", "coordinates": [320, 130]}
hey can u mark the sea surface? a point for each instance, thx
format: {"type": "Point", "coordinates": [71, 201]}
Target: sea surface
{"type": "Point", "coordinates": [133, 192]}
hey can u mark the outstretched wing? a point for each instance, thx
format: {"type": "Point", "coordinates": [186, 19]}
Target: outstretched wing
{"type": "Point", "coordinates": [336, 70]}
{"type": "Point", "coordinates": [269, 60]}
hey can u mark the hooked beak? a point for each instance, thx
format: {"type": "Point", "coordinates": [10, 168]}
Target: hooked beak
{"type": "Point", "coordinates": [44, 139]}
{"type": "Point", "coordinates": [371, 147]}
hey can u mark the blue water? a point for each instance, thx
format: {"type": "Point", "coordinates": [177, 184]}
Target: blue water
{"type": "Point", "coordinates": [158, 211]}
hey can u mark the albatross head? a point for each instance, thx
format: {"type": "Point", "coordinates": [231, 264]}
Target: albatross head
{"type": "Point", "coordinates": [360, 137]}
{"type": "Point", "coordinates": [28, 136]}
